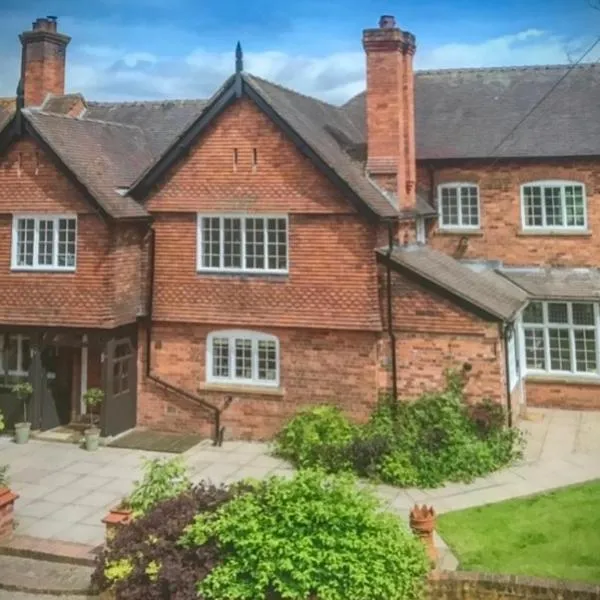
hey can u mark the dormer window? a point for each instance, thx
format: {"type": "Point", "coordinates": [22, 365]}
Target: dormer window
{"type": "Point", "coordinates": [458, 205]}
{"type": "Point", "coordinates": [553, 205]}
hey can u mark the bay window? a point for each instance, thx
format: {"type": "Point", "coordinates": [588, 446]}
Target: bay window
{"type": "Point", "coordinates": [553, 205]}
{"type": "Point", "coordinates": [242, 357]}
{"type": "Point", "coordinates": [230, 243]}
{"type": "Point", "coordinates": [561, 337]}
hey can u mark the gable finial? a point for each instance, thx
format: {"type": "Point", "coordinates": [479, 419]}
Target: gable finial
{"type": "Point", "coordinates": [239, 58]}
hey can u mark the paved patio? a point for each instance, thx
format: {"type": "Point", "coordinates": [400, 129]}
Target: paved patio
{"type": "Point", "coordinates": [65, 491]}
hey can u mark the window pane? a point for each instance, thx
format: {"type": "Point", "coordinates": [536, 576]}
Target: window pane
{"type": "Point", "coordinates": [243, 359]}
{"type": "Point", "coordinates": [45, 242]}
{"type": "Point", "coordinates": [557, 313]}
{"type": "Point", "coordinates": [469, 206]}
{"type": "Point", "coordinates": [67, 233]}
{"type": "Point", "coordinates": [560, 350]}
{"type": "Point", "coordinates": [124, 376]}
{"type": "Point", "coordinates": [449, 201]}
{"type": "Point", "coordinates": [553, 206]}
{"type": "Point", "coordinates": [277, 243]}
{"type": "Point", "coordinates": [585, 350]}
{"type": "Point", "coordinates": [575, 206]}
{"type": "Point", "coordinates": [116, 377]}
{"type": "Point", "coordinates": [220, 354]}
{"type": "Point", "coordinates": [25, 355]}
{"type": "Point", "coordinates": [533, 313]}
{"type": "Point", "coordinates": [583, 314]}
{"type": "Point", "coordinates": [11, 352]}
{"type": "Point", "coordinates": [232, 243]}
{"type": "Point", "coordinates": [267, 360]}
{"type": "Point", "coordinates": [532, 199]}
{"type": "Point", "coordinates": [211, 244]}
{"type": "Point", "coordinates": [255, 243]}
{"type": "Point", "coordinates": [535, 348]}
{"type": "Point", "coordinates": [25, 234]}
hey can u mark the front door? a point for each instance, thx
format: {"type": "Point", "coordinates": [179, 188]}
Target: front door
{"type": "Point", "coordinates": [57, 370]}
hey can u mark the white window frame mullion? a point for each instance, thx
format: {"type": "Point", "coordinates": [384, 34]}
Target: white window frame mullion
{"type": "Point", "coordinates": [55, 238]}
{"type": "Point", "coordinates": [265, 228]}
{"type": "Point", "coordinates": [254, 359]}
{"type": "Point", "coordinates": [571, 336]}
{"type": "Point", "coordinates": [563, 202]}
{"type": "Point", "coordinates": [199, 244]}
{"type": "Point", "coordinates": [221, 243]}
{"type": "Point", "coordinates": [243, 226]}
{"type": "Point", "coordinates": [36, 243]}
{"type": "Point", "coordinates": [597, 333]}
{"type": "Point", "coordinates": [546, 332]}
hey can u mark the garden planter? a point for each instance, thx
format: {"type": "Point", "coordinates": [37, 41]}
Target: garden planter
{"type": "Point", "coordinates": [92, 439]}
{"type": "Point", "coordinates": [22, 431]}
{"type": "Point", "coordinates": [422, 522]}
{"type": "Point", "coordinates": [116, 518]}
{"type": "Point", "coordinates": [7, 522]}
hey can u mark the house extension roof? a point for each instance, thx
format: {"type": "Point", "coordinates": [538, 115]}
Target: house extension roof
{"type": "Point", "coordinates": [487, 290]}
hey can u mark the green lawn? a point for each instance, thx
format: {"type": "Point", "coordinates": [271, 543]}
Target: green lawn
{"type": "Point", "coordinates": [556, 534]}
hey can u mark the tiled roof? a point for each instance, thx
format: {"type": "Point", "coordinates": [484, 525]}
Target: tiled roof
{"type": "Point", "coordinates": [466, 113]}
{"type": "Point", "coordinates": [563, 283]}
{"type": "Point", "coordinates": [61, 104]}
{"type": "Point", "coordinates": [485, 290]}
{"type": "Point", "coordinates": [102, 156]}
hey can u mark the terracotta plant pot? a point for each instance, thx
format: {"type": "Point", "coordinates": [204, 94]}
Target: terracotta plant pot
{"type": "Point", "coordinates": [7, 523]}
{"type": "Point", "coordinates": [116, 518]}
{"type": "Point", "coordinates": [422, 522]}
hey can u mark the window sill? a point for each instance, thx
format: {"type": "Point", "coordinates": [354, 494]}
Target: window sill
{"type": "Point", "coordinates": [564, 379]}
{"type": "Point", "coordinates": [459, 231]}
{"type": "Point", "coordinates": [40, 270]}
{"type": "Point", "coordinates": [234, 388]}
{"type": "Point", "coordinates": [554, 232]}
{"type": "Point", "coordinates": [243, 274]}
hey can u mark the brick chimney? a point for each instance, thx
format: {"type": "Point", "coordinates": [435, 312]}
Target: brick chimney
{"type": "Point", "coordinates": [43, 61]}
{"type": "Point", "coordinates": [390, 106]}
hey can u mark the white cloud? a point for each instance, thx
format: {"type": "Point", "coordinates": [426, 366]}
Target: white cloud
{"type": "Point", "coordinates": [112, 73]}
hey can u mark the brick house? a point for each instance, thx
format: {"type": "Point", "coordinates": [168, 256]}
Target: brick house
{"type": "Point", "coordinates": [215, 265]}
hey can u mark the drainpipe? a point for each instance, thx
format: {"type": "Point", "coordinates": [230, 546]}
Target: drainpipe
{"type": "Point", "coordinates": [215, 410]}
{"type": "Point", "coordinates": [390, 314]}
{"type": "Point", "coordinates": [508, 331]}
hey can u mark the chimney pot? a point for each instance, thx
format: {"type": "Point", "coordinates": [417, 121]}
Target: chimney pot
{"type": "Point", "coordinates": [387, 22]}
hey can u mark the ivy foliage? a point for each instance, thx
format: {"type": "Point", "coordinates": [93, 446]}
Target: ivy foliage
{"type": "Point", "coordinates": [425, 443]}
{"type": "Point", "coordinates": [315, 536]}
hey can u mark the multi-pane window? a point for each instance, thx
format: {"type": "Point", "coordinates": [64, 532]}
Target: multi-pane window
{"type": "Point", "coordinates": [553, 205]}
{"type": "Point", "coordinates": [243, 244]}
{"type": "Point", "coordinates": [44, 242]}
{"type": "Point", "coordinates": [459, 206]}
{"type": "Point", "coordinates": [121, 366]}
{"type": "Point", "coordinates": [15, 358]}
{"type": "Point", "coordinates": [242, 357]}
{"type": "Point", "coordinates": [561, 337]}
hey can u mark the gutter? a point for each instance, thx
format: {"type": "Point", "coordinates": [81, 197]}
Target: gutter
{"type": "Point", "coordinates": [215, 410]}
{"type": "Point", "coordinates": [390, 314]}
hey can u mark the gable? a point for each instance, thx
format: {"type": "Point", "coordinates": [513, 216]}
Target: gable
{"type": "Point", "coordinates": [244, 162]}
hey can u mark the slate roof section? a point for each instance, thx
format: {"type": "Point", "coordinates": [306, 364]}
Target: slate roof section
{"type": "Point", "coordinates": [465, 113]}
{"type": "Point", "coordinates": [102, 156]}
{"type": "Point", "coordinates": [488, 291]}
{"type": "Point", "coordinates": [558, 283]}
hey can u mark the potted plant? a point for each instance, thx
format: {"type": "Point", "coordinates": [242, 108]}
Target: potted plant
{"type": "Point", "coordinates": [92, 398]}
{"type": "Point", "coordinates": [23, 392]}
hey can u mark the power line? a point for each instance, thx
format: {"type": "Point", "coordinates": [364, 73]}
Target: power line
{"type": "Point", "coordinates": [543, 98]}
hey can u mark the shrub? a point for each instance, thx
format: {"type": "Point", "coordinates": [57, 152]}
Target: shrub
{"type": "Point", "coordinates": [316, 437]}
{"type": "Point", "coordinates": [315, 536]}
{"type": "Point", "coordinates": [163, 479]}
{"type": "Point", "coordinates": [487, 417]}
{"type": "Point", "coordinates": [3, 476]}
{"type": "Point", "coordinates": [144, 561]}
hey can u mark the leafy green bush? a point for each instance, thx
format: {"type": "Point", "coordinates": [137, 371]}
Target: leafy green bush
{"type": "Point", "coordinates": [316, 437]}
{"type": "Point", "coordinates": [3, 476]}
{"type": "Point", "coordinates": [425, 443]}
{"type": "Point", "coordinates": [163, 479]}
{"type": "Point", "coordinates": [315, 536]}
{"type": "Point", "coordinates": [144, 561]}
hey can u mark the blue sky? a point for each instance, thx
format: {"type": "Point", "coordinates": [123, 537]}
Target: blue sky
{"type": "Point", "coordinates": [146, 49]}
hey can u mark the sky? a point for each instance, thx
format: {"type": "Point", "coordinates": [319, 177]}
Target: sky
{"type": "Point", "coordinates": [154, 49]}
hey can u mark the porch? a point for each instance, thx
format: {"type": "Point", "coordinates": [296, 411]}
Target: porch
{"type": "Point", "coordinates": [62, 364]}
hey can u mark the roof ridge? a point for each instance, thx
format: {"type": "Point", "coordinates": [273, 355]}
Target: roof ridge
{"type": "Point", "coordinates": [145, 102]}
{"type": "Point", "coordinates": [79, 119]}
{"type": "Point", "coordinates": [551, 67]}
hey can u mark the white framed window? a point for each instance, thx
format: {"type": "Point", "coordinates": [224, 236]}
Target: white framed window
{"type": "Point", "coordinates": [458, 205]}
{"type": "Point", "coordinates": [242, 357]}
{"type": "Point", "coordinates": [557, 205]}
{"type": "Point", "coordinates": [240, 243]}
{"type": "Point", "coordinates": [44, 242]}
{"type": "Point", "coordinates": [561, 337]}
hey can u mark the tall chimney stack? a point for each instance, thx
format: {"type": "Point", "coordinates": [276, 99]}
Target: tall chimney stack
{"type": "Point", "coordinates": [43, 61]}
{"type": "Point", "coordinates": [390, 107]}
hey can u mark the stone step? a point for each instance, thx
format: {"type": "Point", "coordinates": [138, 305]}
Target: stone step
{"type": "Point", "coordinates": [32, 576]}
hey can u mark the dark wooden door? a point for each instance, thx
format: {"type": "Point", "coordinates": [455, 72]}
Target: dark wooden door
{"type": "Point", "coordinates": [57, 374]}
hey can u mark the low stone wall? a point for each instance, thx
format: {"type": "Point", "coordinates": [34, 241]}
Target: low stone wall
{"type": "Point", "coordinates": [458, 585]}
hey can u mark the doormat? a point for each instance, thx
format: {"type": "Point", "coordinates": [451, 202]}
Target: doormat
{"type": "Point", "coordinates": [156, 441]}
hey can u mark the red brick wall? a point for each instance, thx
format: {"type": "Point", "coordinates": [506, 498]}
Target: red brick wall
{"type": "Point", "coordinates": [557, 394]}
{"type": "Point", "coordinates": [316, 367]}
{"type": "Point", "coordinates": [501, 234]}
{"type": "Point", "coordinates": [332, 275]}
{"type": "Point", "coordinates": [434, 334]}
{"type": "Point", "coordinates": [30, 182]}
